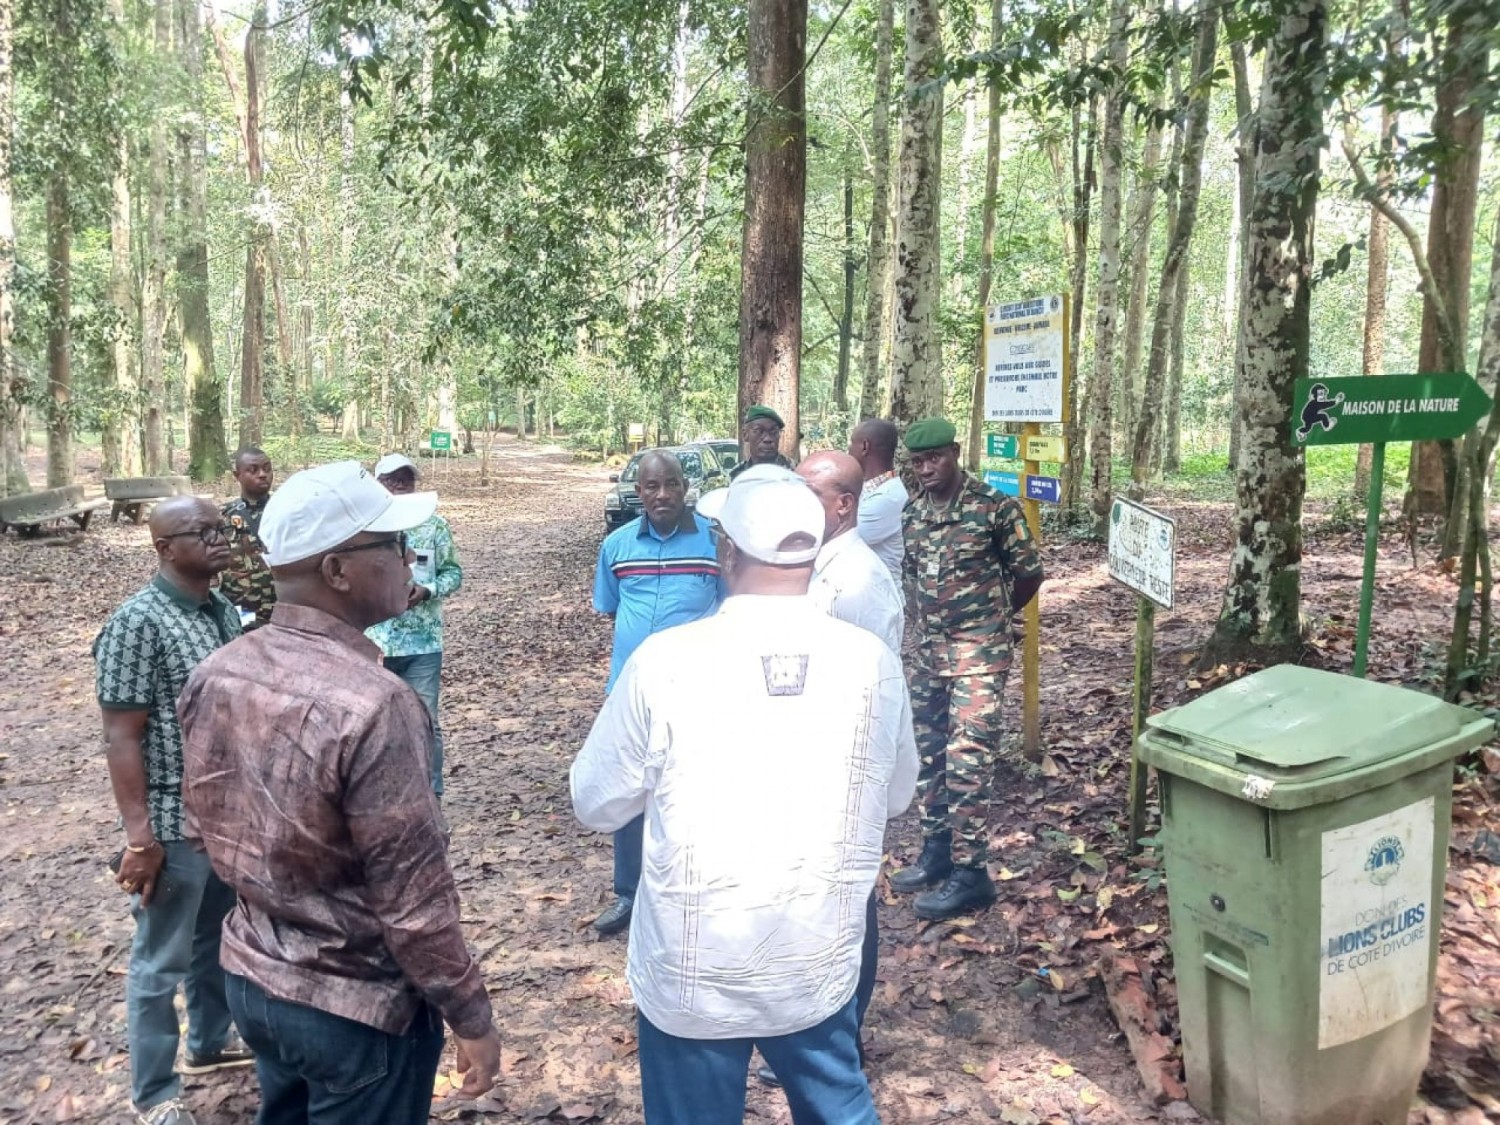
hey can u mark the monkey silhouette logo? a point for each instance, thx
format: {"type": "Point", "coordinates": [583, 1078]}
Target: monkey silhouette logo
{"type": "Point", "coordinates": [1316, 411]}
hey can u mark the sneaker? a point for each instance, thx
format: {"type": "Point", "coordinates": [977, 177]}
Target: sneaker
{"type": "Point", "coordinates": [233, 1053]}
{"type": "Point", "coordinates": [169, 1112]}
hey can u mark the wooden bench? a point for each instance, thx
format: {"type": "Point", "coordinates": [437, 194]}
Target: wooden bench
{"type": "Point", "coordinates": [131, 496]}
{"type": "Point", "coordinates": [29, 513]}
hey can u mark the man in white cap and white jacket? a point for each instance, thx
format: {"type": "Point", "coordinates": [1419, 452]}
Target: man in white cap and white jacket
{"type": "Point", "coordinates": [767, 746]}
{"type": "Point", "coordinates": [306, 780]}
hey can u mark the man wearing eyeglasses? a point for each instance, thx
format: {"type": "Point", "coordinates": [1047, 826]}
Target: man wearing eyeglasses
{"type": "Point", "coordinates": [761, 435]}
{"type": "Point", "coordinates": [412, 643]}
{"type": "Point", "coordinates": [307, 779]}
{"type": "Point", "coordinates": [144, 655]}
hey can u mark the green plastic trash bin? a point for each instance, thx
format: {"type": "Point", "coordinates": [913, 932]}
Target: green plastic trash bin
{"type": "Point", "coordinates": [1305, 834]}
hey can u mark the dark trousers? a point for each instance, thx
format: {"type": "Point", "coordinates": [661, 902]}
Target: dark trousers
{"type": "Point", "coordinates": [702, 1081]}
{"type": "Point", "coordinates": [316, 1068]}
{"type": "Point", "coordinates": [628, 844]}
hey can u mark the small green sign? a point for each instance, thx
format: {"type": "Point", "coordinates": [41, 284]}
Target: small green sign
{"type": "Point", "coordinates": [1385, 408]}
{"type": "Point", "coordinates": [1002, 445]}
{"type": "Point", "coordinates": [441, 439]}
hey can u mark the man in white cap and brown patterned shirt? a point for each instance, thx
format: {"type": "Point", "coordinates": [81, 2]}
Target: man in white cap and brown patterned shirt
{"type": "Point", "coordinates": [767, 746]}
{"type": "Point", "coordinates": [306, 778]}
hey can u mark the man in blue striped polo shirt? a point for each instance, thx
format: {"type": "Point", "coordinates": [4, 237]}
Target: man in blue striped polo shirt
{"type": "Point", "coordinates": [657, 571]}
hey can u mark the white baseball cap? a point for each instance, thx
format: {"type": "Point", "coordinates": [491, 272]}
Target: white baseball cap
{"type": "Point", "coordinates": [317, 509]}
{"type": "Point", "coordinates": [394, 462]}
{"type": "Point", "coordinates": [764, 507]}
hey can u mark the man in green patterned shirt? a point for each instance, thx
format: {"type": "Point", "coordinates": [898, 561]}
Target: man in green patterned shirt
{"type": "Point", "coordinates": [413, 642]}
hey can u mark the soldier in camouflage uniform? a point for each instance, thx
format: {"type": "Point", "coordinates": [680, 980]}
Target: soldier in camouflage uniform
{"type": "Point", "coordinates": [971, 565]}
{"type": "Point", "coordinates": [762, 437]}
{"type": "Point", "coordinates": [247, 582]}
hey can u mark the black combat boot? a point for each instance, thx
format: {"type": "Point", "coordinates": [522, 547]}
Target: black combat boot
{"type": "Point", "coordinates": [931, 867]}
{"type": "Point", "coordinates": [965, 889]}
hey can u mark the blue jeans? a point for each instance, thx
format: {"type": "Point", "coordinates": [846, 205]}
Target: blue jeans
{"type": "Point", "coordinates": [316, 1068]}
{"type": "Point", "coordinates": [424, 675]}
{"type": "Point", "coordinates": [628, 844]}
{"type": "Point", "coordinates": [702, 1081]}
{"type": "Point", "coordinates": [176, 943]}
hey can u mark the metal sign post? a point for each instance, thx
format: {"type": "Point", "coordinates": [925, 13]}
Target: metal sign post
{"type": "Point", "coordinates": [1375, 410]}
{"type": "Point", "coordinates": [1142, 556]}
{"type": "Point", "coordinates": [1027, 379]}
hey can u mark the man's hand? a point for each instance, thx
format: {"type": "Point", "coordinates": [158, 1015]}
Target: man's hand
{"type": "Point", "coordinates": [417, 595]}
{"type": "Point", "coordinates": [478, 1062]}
{"type": "Point", "coordinates": [139, 871]}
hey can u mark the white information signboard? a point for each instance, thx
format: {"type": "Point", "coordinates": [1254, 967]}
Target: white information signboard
{"type": "Point", "coordinates": [1023, 360]}
{"type": "Point", "coordinates": [1143, 551]}
{"type": "Point", "coordinates": [1378, 923]}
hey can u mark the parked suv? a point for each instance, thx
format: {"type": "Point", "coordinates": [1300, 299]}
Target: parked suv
{"type": "Point", "coordinates": [728, 450]}
{"type": "Point", "coordinates": [701, 471]}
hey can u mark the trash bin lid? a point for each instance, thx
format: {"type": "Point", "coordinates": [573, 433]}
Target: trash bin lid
{"type": "Point", "coordinates": [1290, 736]}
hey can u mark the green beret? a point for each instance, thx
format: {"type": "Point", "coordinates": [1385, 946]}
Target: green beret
{"type": "Point", "coordinates": [930, 433]}
{"type": "Point", "coordinates": [754, 412]}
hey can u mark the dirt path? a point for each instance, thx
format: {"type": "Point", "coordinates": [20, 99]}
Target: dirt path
{"type": "Point", "coordinates": [997, 1018]}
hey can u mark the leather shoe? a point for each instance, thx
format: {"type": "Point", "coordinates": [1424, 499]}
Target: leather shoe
{"type": "Point", "coordinates": [616, 918]}
{"type": "Point", "coordinates": [767, 1076]}
{"type": "Point", "coordinates": [965, 889]}
{"type": "Point", "coordinates": [931, 867]}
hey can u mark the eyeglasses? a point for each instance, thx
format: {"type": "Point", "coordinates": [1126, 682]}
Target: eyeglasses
{"type": "Point", "coordinates": [398, 541]}
{"type": "Point", "coordinates": [208, 536]}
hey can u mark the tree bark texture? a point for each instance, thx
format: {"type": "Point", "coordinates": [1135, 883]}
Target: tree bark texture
{"type": "Point", "coordinates": [846, 315]}
{"type": "Point", "coordinates": [775, 190]}
{"type": "Point", "coordinates": [986, 243]}
{"type": "Point", "coordinates": [13, 479]}
{"type": "Point", "coordinates": [1101, 374]}
{"type": "Point", "coordinates": [59, 330]}
{"type": "Point", "coordinates": [120, 437]}
{"type": "Point", "coordinates": [1244, 157]}
{"type": "Point", "coordinates": [257, 239]}
{"type": "Point", "coordinates": [877, 272]}
{"type": "Point", "coordinates": [1261, 604]}
{"type": "Point", "coordinates": [207, 455]}
{"type": "Point", "coordinates": [1083, 147]}
{"type": "Point", "coordinates": [1377, 283]}
{"type": "Point", "coordinates": [1458, 126]}
{"type": "Point", "coordinates": [916, 348]}
{"type": "Point", "coordinates": [1174, 267]}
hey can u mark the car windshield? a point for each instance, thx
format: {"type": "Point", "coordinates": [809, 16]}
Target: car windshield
{"type": "Point", "coordinates": [692, 466]}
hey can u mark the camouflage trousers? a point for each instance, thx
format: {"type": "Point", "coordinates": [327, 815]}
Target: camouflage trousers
{"type": "Point", "coordinates": [958, 725]}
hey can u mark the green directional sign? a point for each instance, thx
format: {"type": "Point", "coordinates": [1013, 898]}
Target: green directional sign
{"type": "Point", "coordinates": [1374, 409]}
{"type": "Point", "coordinates": [1002, 445]}
{"type": "Point", "coordinates": [441, 439]}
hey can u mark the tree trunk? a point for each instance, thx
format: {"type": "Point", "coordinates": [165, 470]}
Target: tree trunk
{"type": "Point", "coordinates": [1171, 290]}
{"type": "Point", "coordinates": [846, 317]}
{"type": "Point", "coordinates": [1262, 596]}
{"type": "Point", "coordinates": [1170, 445]}
{"type": "Point", "coordinates": [59, 330]}
{"type": "Point", "coordinates": [986, 243]}
{"type": "Point", "coordinates": [1101, 375]}
{"type": "Point", "coordinates": [1376, 285]}
{"type": "Point", "coordinates": [775, 190]}
{"type": "Point", "coordinates": [257, 238]}
{"type": "Point", "coordinates": [153, 289]}
{"type": "Point", "coordinates": [13, 479]}
{"type": "Point", "coordinates": [1083, 188]}
{"type": "Point", "coordinates": [207, 455]}
{"type": "Point", "coordinates": [120, 437]}
{"type": "Point", "coordinates": [1244, 156]}
{"type": "Point", "coordinates": [916, 349]}
{"type": "Point", "coordinates": [1458, 127]}
{"type": "Point", "coordinates": [1138, 236]}
{"type": "Point", "coordinates": [877, 273]}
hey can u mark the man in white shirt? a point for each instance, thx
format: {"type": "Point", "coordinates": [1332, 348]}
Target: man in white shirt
{"type": "Point", "coordinates": [873, 445]}
{"type": "Point", "coordinates": [849, 581]}
{"type": "Point", "coordinates": [767, 746]}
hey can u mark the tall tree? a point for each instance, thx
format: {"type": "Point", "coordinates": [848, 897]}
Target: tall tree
{"type": "Point", "coordinates": [878, 270]}
{"type": "Point", "coordinates": [154, 282]}
{"type": "Point", "coordinates": [1101, 375]}
{"type": "Point", "coordinates": [916, 348]}
{"type": "Point", "coordinates": [1171, 293]}
{"type": "Point", "coordinates": [1139, 228]}
{"type": "Point", "coordinates": [253, 343]}
{"type": "Point", "coordinates": [120, 441]}
{"type": "Point", "coordinates": [775, 190]}
{"type": "Point", "coordinates": [12, 463]}
{"type": "Point", "coordinates": [1244, 157]}
{"type": "Point", "coordinates": [1262, 596]}
{"type": "Point", "coordinates": [986, 240]}
{"type": "Point", "coordinates": [207, 455]}
{"type": "Point", "coordinates": [1376, 287]}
